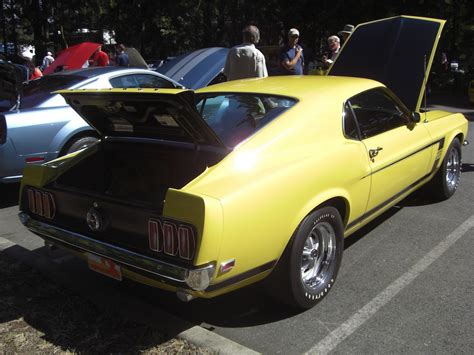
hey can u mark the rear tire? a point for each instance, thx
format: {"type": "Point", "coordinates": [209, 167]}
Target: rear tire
{"type": "Point", "coordinates": [309, 266]}
{"type": "Point", "coordinates": [446, 180]}
{"type": "Point", "coordinates": [78, 143]}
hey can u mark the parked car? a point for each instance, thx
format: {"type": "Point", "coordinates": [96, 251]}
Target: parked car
{"type": "Point", "coordinates": [42, 126]}
{"type": "Point", "coordinates": [198, 68]}
{"type": "Point", "coordinates": [74, 57]}
{"type": "Point", "coordinates": [201, 193]}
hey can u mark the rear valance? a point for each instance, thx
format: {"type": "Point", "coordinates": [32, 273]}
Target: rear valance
{"type": "Point", "coordinates": [168, 114]}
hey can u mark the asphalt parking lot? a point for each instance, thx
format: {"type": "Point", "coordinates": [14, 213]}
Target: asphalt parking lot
{"type": "Point", "coordinates": [406, 284]}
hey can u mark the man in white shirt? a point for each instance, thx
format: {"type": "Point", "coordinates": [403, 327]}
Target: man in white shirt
{"type": "Point", "coordinates": [334, 44]}
{"type": "Point", "coordinates": [246, 61]}
{"type": "Point", "coordinates": [47, 60]}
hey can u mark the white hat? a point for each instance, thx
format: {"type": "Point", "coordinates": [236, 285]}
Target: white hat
{"type": "Point", "coordinates": [49, 53]}
{"type": "Point", "coordinates": [348, 29]}
{"type": "Point", "coordinates": [293, 32]}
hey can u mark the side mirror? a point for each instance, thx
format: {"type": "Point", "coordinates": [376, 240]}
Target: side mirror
{"type": "Point", "coordinates": [415, 117]}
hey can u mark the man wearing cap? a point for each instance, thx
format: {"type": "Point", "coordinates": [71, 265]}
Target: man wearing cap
{"type": "Point", "coordinates": [334, 44]}
{"type": "Point", "coordinates": [244, 60]}
{"type": "Point", "coordinates": [291, 55]}
{"type": "Point", "coordinates": [346, 32]}
{"type": "Point", "coordinates": [47, 60]}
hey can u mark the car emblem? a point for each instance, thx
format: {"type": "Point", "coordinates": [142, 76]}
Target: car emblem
{"type": "Point", "coordinates": [94, 219]}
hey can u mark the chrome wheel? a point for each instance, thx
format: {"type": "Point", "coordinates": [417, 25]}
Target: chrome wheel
{"type": "Point", "coordinates": [453, 168]}
{"type": "Point", "coordinates": [319, 252]}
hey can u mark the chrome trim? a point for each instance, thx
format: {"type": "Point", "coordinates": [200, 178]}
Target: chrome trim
{"type": "Point", "coordinates": [319, 253]}
{"type": "Point", "coordinates": [117, 254]}
{"type": "Point", "coordinates": [453, 169]}
{"type": "Point", "coordinates": [10, 179]}
{"type": "Point", "coordinates": [226, 266]}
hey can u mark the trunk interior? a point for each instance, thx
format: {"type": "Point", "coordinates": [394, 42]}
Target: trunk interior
{"type": "Point", "coordinates": [139, 172]}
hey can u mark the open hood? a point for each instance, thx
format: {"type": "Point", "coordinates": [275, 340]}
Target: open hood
{"type": "Point", "coordinates": [73, 57]}
{"type": "Point", "coordinates": [196, 69]}
{"type": "Point", "coordinates": [135, 59]}
{"type": "Point", "coordinates": [165, 114]}
{"type": "Point", "coordinates": [396, 51]}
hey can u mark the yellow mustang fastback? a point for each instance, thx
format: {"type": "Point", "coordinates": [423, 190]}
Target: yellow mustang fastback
{"type": "Point", "coordinates": [201, 193]}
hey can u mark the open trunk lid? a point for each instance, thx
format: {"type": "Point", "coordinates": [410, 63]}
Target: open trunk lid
{"type": "Point", "coordinates": [165, 114]}
{"type": "Point", "coordinates": [396, 51]}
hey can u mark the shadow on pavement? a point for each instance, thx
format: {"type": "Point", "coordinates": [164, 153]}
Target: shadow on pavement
{"type": "Point", "coordinates": [147, 305]}
{"type": "Point", "coordinates": [9, 195]}
{"type": "Point", "coordinates": [467, 168]}
{"type": "Point", "coordinates": [40, 308]}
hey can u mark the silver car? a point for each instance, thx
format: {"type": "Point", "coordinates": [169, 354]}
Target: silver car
{"type": "Point", "coordinates": [39, 126]}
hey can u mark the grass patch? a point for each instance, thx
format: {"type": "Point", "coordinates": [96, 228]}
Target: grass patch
{"type": "Point", "coordinates": [39, 316]}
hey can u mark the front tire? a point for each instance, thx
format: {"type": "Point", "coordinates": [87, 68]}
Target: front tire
{"type": "Point", "coordinates": [310, 266]}
{"type": "Point", "coordinates": [446, 180]}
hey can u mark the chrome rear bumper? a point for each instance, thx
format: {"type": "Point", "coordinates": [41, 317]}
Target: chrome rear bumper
{"type": "Point", "coordinates": [154, 267]}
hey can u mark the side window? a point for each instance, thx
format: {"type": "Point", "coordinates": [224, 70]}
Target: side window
{"type": "Point", "coordinates": [234, 117]}
{"type": "Point", "coordinates": [152, 81]}
{"type": "Point", "coordinates": [140, 81]}
{"type": "Point", "coordinates": [376, 112]}
{"type": "Point", "coordinates": [351, 130]}
{"type": "Point", "coordinates": [126, 81]}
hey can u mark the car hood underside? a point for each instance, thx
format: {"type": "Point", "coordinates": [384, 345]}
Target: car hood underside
{"type": "Point", "coordinates": [397, 52]}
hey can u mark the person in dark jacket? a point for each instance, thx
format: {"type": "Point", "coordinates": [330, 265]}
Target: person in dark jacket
{"type": "Point", "coordinates": [122, 59]}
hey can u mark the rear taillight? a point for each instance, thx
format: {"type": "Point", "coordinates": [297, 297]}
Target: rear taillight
{"type": "Point", "coordinates": [172, 238]}
{"type": "Point", "coordinates": [187, 242]}
{"type": "Point", "coordinates": [3, 129]}
{"type": "Point", "coordinates": [41, 203]}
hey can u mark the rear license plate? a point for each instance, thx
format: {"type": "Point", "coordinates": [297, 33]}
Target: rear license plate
{"type": "Point", "coordinates": [104, 266]}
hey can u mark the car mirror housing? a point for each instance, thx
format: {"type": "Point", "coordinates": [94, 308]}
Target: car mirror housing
{"type": "Point", "coordinates": [415, 117]}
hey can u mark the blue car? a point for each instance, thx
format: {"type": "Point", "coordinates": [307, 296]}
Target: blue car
{"type": "Point", "coordinates": [197, 69]}
{"type": "Point", "coordinates": [36, 125]}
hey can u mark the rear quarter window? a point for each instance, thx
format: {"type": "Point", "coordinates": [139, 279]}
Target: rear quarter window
{"type": "Point", "coordinates": [235, 117]}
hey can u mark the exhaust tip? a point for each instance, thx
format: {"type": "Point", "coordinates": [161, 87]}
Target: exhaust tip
{"type": "Point", "coordinates": [184, 296]}
{"type": "Point", "coordinates": [466, 142]}
{"type": "Point", "coordinates": [50, 246]}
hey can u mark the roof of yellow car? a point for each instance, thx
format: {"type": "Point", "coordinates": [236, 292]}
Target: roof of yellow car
{"type": "Point", "coordinates": [300, 87]}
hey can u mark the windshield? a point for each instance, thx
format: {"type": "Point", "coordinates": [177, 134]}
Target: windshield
{"type": "Point", "coordinates": [38, 91]}
{"type": "Point", "coordinates": [234, 117]}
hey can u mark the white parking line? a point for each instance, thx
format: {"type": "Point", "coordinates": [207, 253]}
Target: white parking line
{"type": "Point", "coordinates": [330, 342]}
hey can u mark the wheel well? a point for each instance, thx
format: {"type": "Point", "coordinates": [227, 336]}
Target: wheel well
{"type": "Point", "coordinates": [88, 133]}
{"type": "Point", "coordinates": [339, 203]}
{"type": "Point", "coordinates": [460, 137]}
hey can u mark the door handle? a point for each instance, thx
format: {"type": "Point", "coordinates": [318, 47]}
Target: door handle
{"type": "Point", "coordinates": [374, 152]}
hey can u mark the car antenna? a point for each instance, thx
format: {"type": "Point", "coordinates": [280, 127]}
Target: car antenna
{"type": "Point", "coordinates": [425, 108]}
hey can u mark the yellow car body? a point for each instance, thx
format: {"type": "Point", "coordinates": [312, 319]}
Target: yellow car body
{"type": "Point", "coordinates": [249, 208]}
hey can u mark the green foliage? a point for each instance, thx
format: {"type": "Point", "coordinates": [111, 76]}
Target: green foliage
{"type": "Point", "coordinates": [160, 28]}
